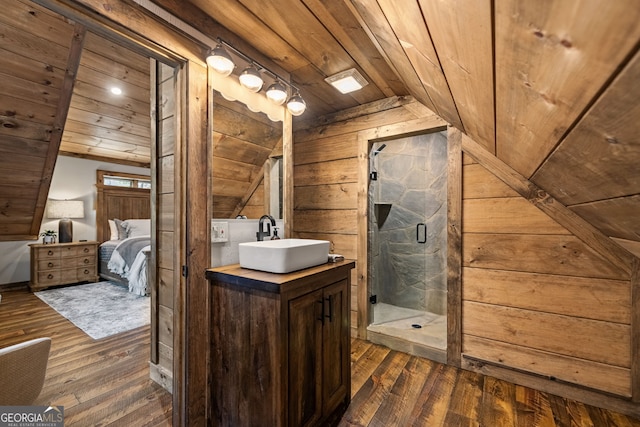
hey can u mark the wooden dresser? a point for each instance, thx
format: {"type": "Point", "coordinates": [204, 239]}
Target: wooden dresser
{"type": "Point", "coordinates": [63, 263]}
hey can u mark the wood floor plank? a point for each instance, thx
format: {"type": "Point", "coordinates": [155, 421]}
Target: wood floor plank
{"type": "Point", "coordinates": [106, 382]}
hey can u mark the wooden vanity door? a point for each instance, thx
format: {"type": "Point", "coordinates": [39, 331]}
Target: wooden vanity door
{"type": "Point", "coordinates": [305, 359]}
{"type": "Point", "coordinates": [336, 376]}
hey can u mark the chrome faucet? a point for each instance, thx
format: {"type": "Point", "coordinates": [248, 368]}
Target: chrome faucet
{"type": "Point", "coordinates": [261, 234]}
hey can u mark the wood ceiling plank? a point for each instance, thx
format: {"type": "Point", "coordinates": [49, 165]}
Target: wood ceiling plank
{"type": "Point", "coordinates": [341, 23]}
{"type": "Point", "coordinates": [136, 155]}
{"type": "Point", "coordinates": [462, 36]}
{"type": "Point", "coordinates": [28, 90]}
{"type": "Point", "coordinates": [25, 67]}
{"type": "Point", "coordinates": [124, 102]}
{"type": "Point", "coordinates": [35, 20]}
{"type": "Point", "coordinates": [11, 144]}
{"type": "Point", "coordinates": [117, 112]}
{"type": "Point", "coordinates": [243, 127]}
{"type": "Point", "coordinates": [599, 158]}
{"type": "Point", "coordinates": [106, 82]}
{"type": "Point", "coordinates": [26, 110]}
{"type": "Point", "coordinates": [80, 133]}
{"type": "Point", "coordinates": [238, 19]}
{"type": "Point", "coordinates": [614, 217]}
{"type": "Point", "coordinates": [17, 128]}
{"type": "Point", "coordinates": [372, 17]}
{"type": "Point", "coordinates": [133, 83]}
{"type": "Point", "coordinates": [409, 26]}
{"type": "Point", "coordinates": [299, 28]}
{"type": "Point", "coordinates": [544, 52]}
{"type": "Point", "coordinates": [99, 121]}
{"type": "Point", "coordinates": [97, 47]}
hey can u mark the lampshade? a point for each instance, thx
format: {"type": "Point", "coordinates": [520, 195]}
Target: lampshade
{"type": "Point", "coordinates": [65, 209]}
{"type": "Point", "coordinates": [251, 79]}
{"type": "Point", "coordinates": [296, 105]}
{"type": "Point", "coordinates": [277, 93]}
{"type": "Point", "coordinates": [220, 60]}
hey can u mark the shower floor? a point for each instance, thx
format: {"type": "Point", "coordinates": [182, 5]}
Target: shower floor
{"type": "Point", "coordinates": [393, 327]}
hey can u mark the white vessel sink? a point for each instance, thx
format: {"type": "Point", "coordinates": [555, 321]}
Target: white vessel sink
{"type": "Point", "coordinates": [284, 255]}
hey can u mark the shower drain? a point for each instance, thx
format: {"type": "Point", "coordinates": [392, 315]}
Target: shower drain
{"type": "Point", "coordinates": [415, 325]}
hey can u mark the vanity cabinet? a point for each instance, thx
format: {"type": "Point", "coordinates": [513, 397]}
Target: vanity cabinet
{"type": "Point", "coordinates": [280, 350]}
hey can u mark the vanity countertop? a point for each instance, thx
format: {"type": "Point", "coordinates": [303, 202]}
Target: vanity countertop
{"type": "Point", "coordinates": [275, 282]}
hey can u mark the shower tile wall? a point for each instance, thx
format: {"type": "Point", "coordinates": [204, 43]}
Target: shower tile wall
{"type": "Point", "coordinates": [410, 189]}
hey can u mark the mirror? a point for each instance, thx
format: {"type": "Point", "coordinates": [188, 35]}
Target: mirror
{"type": "Point", "coordinates": [247, 176]}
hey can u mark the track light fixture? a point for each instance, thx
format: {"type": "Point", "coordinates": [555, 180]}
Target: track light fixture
{"type": "Point", "coordinates": [251, 77]}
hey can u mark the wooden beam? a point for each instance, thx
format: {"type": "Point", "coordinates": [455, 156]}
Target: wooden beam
{"type": "Point", "coordinates": [454, 246]}
{"type": "Point", "coordinates": [62, 109]}
{"type": "Point", "coordinates": [583, 230]}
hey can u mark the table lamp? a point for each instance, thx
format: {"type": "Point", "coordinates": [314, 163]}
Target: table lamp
{"type": "Point", "coordinates": [65, 210]}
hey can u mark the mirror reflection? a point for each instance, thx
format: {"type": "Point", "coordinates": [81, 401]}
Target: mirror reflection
{"type": "Point", "coordinates": [247, 162]}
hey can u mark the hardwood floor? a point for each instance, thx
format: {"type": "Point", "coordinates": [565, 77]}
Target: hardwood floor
{"type": "Point", "coordinates": [106, 382]}
{"type": "Point", "coordinates": [103, 382]}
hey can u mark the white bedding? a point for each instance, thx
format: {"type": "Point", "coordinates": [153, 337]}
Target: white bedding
{"type": "Point", "coordinates": [135, 272]}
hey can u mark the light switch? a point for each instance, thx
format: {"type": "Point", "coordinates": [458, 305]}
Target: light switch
{"type": "Point", "coordinates": [219, 231]}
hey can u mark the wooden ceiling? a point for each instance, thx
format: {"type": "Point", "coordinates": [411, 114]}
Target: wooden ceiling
{"type": "Point", "coordinates": [550, 88]}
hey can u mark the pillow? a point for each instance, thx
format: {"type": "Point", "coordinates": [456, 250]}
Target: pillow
{"type": "Point", "coordinates": [122, 230]}
{"type": "Point", "coordinates": [138, 227]}
{"type": "Point", "coordinates": [113, 229]}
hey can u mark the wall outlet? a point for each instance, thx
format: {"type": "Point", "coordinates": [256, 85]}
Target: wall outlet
{"type": "Point", "coordinates": [219, 231]}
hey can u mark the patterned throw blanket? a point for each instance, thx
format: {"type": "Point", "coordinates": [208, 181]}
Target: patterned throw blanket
{"type": "Point", "coordinates": [129, 261]}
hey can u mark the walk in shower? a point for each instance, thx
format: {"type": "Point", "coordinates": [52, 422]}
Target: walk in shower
{"type": "Point", "coordinates": [407, 244]}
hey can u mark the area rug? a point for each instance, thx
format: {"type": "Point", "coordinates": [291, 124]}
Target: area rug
{"type": "Point", "coordinates": [99, 309]}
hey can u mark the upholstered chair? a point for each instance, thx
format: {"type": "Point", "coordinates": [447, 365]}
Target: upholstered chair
{"type": "Point", "coordinates": [22, 370]}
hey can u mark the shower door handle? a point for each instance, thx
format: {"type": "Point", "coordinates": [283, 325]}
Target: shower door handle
{"type": "Point", "coordinates": [422, 226]}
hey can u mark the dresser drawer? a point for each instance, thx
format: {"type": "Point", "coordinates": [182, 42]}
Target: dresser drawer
{"type": "Point", "coordinates": [49, 264]}
{"type": "Point", "coordinates": [85, 261]}
{"type": "Point", "coordinates": [86, 273]}
{"type": "Point", "coordinates": [48, 253]}
{"type": "Point", "coordinates": [56, 277]}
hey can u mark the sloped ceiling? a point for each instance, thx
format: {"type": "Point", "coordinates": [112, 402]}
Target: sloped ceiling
{"type": "Point", "coordinates": [550, 87]}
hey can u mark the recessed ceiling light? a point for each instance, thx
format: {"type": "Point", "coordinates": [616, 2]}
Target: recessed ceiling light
{"type": "Point", "coordinates": [116, 91]}
{"type": "Point", "coordinates": [347, 81]}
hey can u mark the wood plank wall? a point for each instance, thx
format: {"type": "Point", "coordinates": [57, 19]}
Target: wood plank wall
{"type": "Point", "coordinates": [166, 274]}
{"type": "Point", "coordinates": [535, 297]}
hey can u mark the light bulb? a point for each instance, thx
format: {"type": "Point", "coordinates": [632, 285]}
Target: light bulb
{"type": "Point", "coordinates": [250, 78]}
{"type": "Point", "coordinates": [277, 93]}
{"type": "Point", "coordinates": [296, 105]}
{"type": "Point", "coordinates": [220, 60]}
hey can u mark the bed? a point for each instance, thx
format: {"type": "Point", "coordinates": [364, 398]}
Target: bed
{"type": "Point", "coordinates": [123, 230]}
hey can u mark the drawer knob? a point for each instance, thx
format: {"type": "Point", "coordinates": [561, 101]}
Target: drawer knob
{"type": "Point", "coordinates": [86, 250]}
{"type": "Point", "coordinates": [50, 252]}
{"type": "Point", "coordinates": [50, 264]}
{"type": "Point", "coordinates": [86, 271]}
{"type": "Point", "coordinates": [50, 276]}
{"type": "Point", "coordinates": [87, 261]}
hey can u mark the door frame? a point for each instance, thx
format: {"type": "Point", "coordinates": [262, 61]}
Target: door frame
{"type": "Point", "coordinates": [366, 139]}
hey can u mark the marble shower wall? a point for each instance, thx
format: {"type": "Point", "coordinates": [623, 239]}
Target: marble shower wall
{"type": "Point", "coordinates": [411, 188]}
